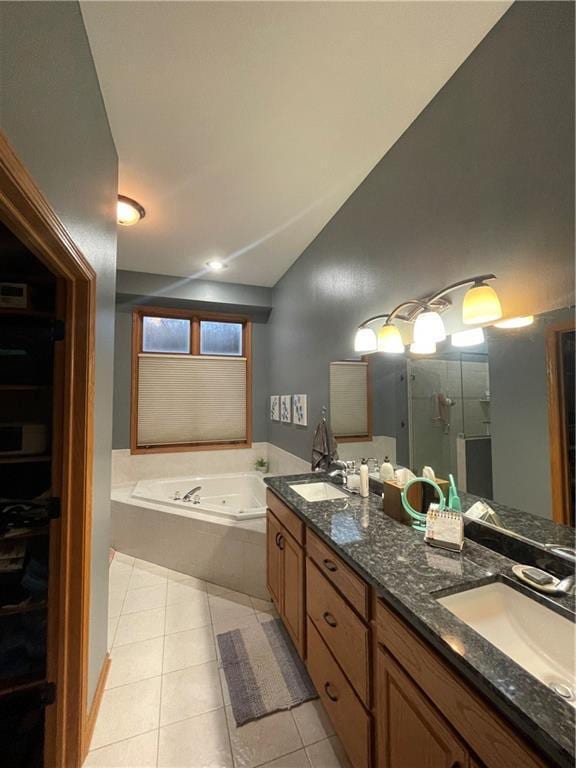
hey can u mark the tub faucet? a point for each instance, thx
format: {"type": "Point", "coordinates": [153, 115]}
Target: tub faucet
{"type": "Point", "coordinates": [188, 496]}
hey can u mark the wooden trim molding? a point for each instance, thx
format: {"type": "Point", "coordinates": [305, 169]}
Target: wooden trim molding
{"type": "Point", "coordinates": [195, 318]}
{"type": "Point", "coordinates": [559, 471]}
{"type": "Point", "coordinates": [95, 706]}
{"type": "Point", "coordinates": [27, 213]}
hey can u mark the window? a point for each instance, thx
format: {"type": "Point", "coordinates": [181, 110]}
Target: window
{"type": "Point", "coordinates": [191, 381]}
{"type": "Point", "coordinates": [350, 401]}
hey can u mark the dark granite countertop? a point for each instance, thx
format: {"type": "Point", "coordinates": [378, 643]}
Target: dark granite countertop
{"type": "Point", "coordinates": [408, 574]}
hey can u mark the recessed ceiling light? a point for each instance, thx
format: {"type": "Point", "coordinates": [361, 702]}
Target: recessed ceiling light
{"type": "Point", "coordinates": [128, 211]}
{"type": "Point", "coordinates": [515, 322]}
{"type": "Point", "coordinates": [216, 265]}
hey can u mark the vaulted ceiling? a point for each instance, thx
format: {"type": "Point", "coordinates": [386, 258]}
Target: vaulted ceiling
{"type": "Point", "coordinates": [242, 127]}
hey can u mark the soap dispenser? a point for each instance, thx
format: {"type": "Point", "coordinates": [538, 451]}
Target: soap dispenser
{"type": "Point", "coordinates": [386, 470]}
{"type": "Point", "coordinates": [364, 481]}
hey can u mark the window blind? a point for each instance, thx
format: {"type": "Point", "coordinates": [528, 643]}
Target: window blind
{"type": "Point", "coordinates": [349, 398]}
{"type": "Point", "coordinates": [185, 399]}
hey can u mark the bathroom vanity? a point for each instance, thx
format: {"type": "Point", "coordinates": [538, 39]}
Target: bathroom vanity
{"type": "Point", "coordinates": [405, 682]}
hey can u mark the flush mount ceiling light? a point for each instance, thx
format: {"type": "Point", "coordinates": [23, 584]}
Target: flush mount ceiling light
{"type": "Point", "coordinates": [390, 340]}
{"type": "Point", "coordinates": [481, 305]}
{"type": "Point", "coordinates": [469, 338]}
{"type": "Point", "coordinates": [128, 211]}
{"type": "Point", "coordinates": [215, 265]}
{"type": "Point", "coordinates": [515, 322]}
{"type": "Point", "coordinates": [365, 340]}
{"type": "Point", "coordinates": [429, 328]}
{"type": "Point", "coordinates": [423, 347]}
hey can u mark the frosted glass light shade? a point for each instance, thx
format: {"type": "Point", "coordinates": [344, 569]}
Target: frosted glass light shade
{"type": "Point", "coordinates": [515, 322]}
{"type": "Point", "coordinates": [128, 211]}
{"type": "Point", "coordinates": [365, 340]}
{"type": "Point", "coordinates": [389, 340]}
{"type": "Point", "coordinates": [481, 305]}
{"type": "Point", "coordinates": [429, 328]}
{"type": "Point", "coordinates": [423, 348]}
{"type": "Point", "coordinates": [468, 338]}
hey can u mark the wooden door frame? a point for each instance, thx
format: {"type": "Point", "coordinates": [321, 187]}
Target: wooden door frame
{"type": "Point", "coordinates": [556, 422]}
{"type": "Point", "coordinates": [27, 213]}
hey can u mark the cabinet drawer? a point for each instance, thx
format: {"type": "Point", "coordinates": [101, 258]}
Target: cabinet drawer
{"type": "Point", "coordinates": [351, 721]}
{"type": "Point", "coordinates": [284, 514]}
{"type": "Point", "coordinates": [343, 632]}
{"type": "Point", "coordinates": [354, 589]}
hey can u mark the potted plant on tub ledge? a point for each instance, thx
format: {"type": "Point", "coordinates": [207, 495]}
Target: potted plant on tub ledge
{"type": "Point", "coordinates": [261, 465]}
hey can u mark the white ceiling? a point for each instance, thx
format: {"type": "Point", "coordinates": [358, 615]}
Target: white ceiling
{"type": "Point", "coordinates": [242, 127]}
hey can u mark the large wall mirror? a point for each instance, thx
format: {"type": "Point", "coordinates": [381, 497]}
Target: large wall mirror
{"type": "Point", "coordinates": [499, 415]}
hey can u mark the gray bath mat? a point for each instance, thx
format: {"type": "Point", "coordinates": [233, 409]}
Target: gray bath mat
{"type": "Point", "coordinates": [263, 671]}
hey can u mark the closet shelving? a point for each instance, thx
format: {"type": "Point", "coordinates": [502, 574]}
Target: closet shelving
{"type": "Point", "coordinates": [28, 543]}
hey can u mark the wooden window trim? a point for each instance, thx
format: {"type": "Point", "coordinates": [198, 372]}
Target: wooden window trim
{"type": "Point", "coordinates": [559, 474]}
{"type": "Point", "coordinates": [195, 317]}
{"type": "Point", "coordinates": [367, 438]}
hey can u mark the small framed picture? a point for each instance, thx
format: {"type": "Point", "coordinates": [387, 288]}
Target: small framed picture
{"type": "Point", "coordinates": [300, 410]}
{"type": "Point", "coordinates": [275, 407]}
{"type": "Point", "coordinates": [286, 408]}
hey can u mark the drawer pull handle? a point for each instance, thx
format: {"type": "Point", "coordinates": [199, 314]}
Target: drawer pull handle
{"type": "Point", "coordinates": [280, 541]}
{"type": "Point", "coordinates": [276, 539]}
{"type": "Point", "coordinates": [329, 619]}
{"type": "Point", "coordinates": [331, 696]}
{"type": "Point", "coordinates": [331, 565]}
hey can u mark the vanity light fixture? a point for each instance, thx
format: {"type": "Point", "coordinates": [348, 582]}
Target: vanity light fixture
{"type": "Point", "coordinates": [429, 328]}
{"type": "Point", "coordinates": [128, 211]}
{"type": "Point", "coordinates": [423, 347]}
{"type": "Point", "coordinates": [365, 340]}
{"type": "Point", "coordinates": [481, 304]}
{"type": "Point", "coordinates": [515, 322]}
{"type": "Point", "coordinates": [470, 338]}
{"type": "Point", "coordinates": [390, 340]}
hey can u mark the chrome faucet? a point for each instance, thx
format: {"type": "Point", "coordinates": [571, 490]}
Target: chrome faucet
{"type": "Point", "coordinates": [189, 496]}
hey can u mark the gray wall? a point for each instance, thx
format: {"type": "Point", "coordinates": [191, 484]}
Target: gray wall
{"type": "Point", "coordinates": [482, 181]}
{"type": "Point", "coordinates": [52, 113]}
{"type": "Point", "coordinates": [161, 290]}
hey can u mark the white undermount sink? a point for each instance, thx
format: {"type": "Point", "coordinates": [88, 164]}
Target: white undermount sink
{"type": "Point", "coordinates": [318, 491]}
{"type": "Point", "coordinates": [535, 637]}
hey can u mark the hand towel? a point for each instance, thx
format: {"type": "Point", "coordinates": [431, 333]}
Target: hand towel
{"type": "Point", "coordinates": [324, 447]}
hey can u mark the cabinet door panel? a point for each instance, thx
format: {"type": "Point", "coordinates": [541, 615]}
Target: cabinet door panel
{"type": "Point", "coordinates": [274, 560]}
{"type": "Point", "coordinates": [411, 733]}
{"type": "Point", "coordinates": [293, 590]}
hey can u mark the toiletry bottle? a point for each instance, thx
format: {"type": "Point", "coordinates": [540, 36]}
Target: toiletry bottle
{"type": "Point", "coordinates": [364, 483]}
{"type": "Point", "coordinates": [386, 470]}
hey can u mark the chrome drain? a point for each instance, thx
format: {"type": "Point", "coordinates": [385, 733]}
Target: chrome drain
{"type": "Point", "coordinates": [563, 690]}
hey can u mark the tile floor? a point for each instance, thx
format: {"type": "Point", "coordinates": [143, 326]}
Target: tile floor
{"type": "Point", "coordinates": [166, 703]}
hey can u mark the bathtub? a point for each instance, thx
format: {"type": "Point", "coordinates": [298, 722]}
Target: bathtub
{"type": "Point", "coordinates": [234, 497]}
{"type": "Point", "coordinates": [222, 539]}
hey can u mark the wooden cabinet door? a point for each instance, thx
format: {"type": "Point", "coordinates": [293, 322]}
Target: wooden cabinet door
{"type": "Point", "coordinates": [293, 590]}
{"type": "Point", "coordinates": [274, 560]}
{"type": "Point", "coordinates": [411, 733]}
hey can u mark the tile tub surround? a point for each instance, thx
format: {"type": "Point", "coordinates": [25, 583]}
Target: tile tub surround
{"type": "Point", "coordinates": [128, 468]}
{"type": "Point", "coordinates": [166, 702]}
{"type": "Point", "coordinates": [406, 573]}
{"type": "Point", "coordinates": [226, 552]}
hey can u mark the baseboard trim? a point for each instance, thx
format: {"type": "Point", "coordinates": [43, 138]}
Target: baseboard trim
{"type": "Point", "coordinates": [95, 706]}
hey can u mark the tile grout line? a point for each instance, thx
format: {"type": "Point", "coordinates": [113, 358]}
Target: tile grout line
{"type": "Point", "coordinates": [228, 734]}
{"type": "Point", "coordinates": [161, 676]}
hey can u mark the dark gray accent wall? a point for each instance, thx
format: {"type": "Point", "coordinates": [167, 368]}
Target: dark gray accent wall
{"type": "Point", "coordinates": [482, 181]}
{"type": "Point", "coordinates": [53, 115]}
{"type": "Point", "coordinates": [140, 288]}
